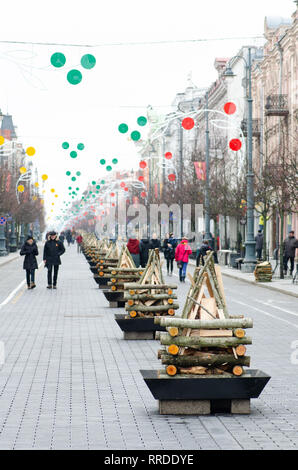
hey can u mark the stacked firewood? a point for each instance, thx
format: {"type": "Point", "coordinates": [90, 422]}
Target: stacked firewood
{"type": "Point", "coordinates": [124, 272]}
{"type": "Point", "coordinates": [205, 340]}
{"type": "Point", "coordinates": [263, 272]}
{"type": "Point", "coordinates": [150, 296]}
{"type": "Point", "coordinates": [109, 260]}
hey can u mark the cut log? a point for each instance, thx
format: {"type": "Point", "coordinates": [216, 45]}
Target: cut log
{"type": "Point", "coordinates": [240, 350]}
{"type": "Point", "coordinates": [203, 324]}
{"type": "Point", "coordinates": [204, 359]}
{"type": "Point", "coordinates": [132, 285]}
{"type": "Point", "coordinates": [195, 342]}
{"type": "Point", "coordinates": [154, 308]}
{"type": "Point", "coordinates": [239, 333]}
{"type": "Point", "coordinates": [214, 333]}
{"type": "Point", "coordinates": [173, 331]}
{"type": "Point", "coordinates": [149, 296]}
{"type": "Point", "coordinates": [197, 370]}
{"type": "Point", "coordinates": [238, 370]}
{"type": "Point", "coordinates": [171, 370]}
{"type": "Point", "coordinates": [173, 349]}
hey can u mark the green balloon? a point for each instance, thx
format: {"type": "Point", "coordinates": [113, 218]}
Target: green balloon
{"type": "Point", "coordinates": [65, 145]}
{"type": "Point", "coordinates": [142, 121]}
{"type": "Point", "coordinates": [93, 195]}
{"type": "Point", "coordinates": [123, 128]}
{"type": "Point", "coordinates": [88, 61]}
{"type": "Point", "coordinates": [102, 161]}
{"type": "Point", "coordinates": [98, 186]}
{"type": "Point", "coordinates": [109, 168]}
{"type": "Point", "coordinates": [73, 154]}
{"type": "Point", "coordinates": [77, 189]}
{"type": "Point", "coordinates": [80, 146]}
{"type": "Point", "coordinates": [102, 182]}
{"type": "Point", "coordinates": [135, 135]}
{"type": "Point", "coordinates": [115, 161]}
{"type": "Point", "coordinates": [68, 173]}
{"type": "Point", "coordinates": [58, 59]}
{"type": "Point", "coordinates": [73, 178]}
{"type": "Point", "coordinates": [69, 187]}
{"type": "Point", "coordinates": [74, 77]}
{"type": "Point", "coordinates": [93, 182]}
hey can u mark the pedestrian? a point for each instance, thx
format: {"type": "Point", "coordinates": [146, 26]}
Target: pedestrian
{"type": "Point", "coordinates": [182, 253]}
{"type": "Point", "coordinates": [62, 237]}
{"type": "Point", "coordinates": [259, 239]}
{"type": "Point", "coordinates": [30, 251]}
{"type": "Point", "coordinates": [169, 246]}
{"type": "Point", "coordinates": [53, 249]}
{"type": "Point", "coordinates": [155, 242]}
{"type": "Point", "coordinates": [202, 251]}
{"type": "Point", "coordinates": [79, 240]}
{"type": "Point", "coordinates": [290, 245]}
{"type": "Point", "coordinates": [133, 246]}
{"type": "Point", "coordinates": [144, 251]}
{"type": "Point", "coordinates": [68, 237]}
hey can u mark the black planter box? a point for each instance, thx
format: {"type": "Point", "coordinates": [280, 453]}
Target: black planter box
{"type": "Point", "coordinates": [101, 281]}
{"type": "Point", "coordinates": [115, 297]}
{"type": "Point", "coordinates": [137, 324]}
{"type": "Point", "coordinates": [94, 270]}
{"type": "Point", "coordinates": [250, 385]}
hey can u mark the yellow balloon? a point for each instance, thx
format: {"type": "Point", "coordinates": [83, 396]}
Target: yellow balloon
{"type": "Point", "coordinates": [21, 188]}
{"type": "Point", "coordinates": [30, 151]}
{"type": "Point", "coordinates": [41, 201]}
{"type": "Point", "coordinates": [2, 140]}
{"type": "Point", "coordinates": [53, 203]}
{"type": "Point", "coordinates": [36, 184]}
{"type": "Point", "coordinates": [23, 169]}
{"type": "Point", "coordinates": [34, 198]}
{"type": "Point", "coordinates": [44, 177]}
{"type": "Point", "coordinates": [56, 195]}
{"type": "Point", "coordinates": [52, 190]}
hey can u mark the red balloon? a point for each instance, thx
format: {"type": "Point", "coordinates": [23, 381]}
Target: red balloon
{"type": "Point", "coordinates": [172, 177]}
{"type": "Point", "coordinates": [143, 164]}
{"type": "Point", "coordinates": [125, 189]}
{"type": "Point", "coordinates": [141, 178]}
{"type": "Point", "coordinates": [113, 204]}
{"type": "Point", "coordinates": [235, 144]}
{"type": "Point", "coordinates": [230, 108]}
{"type": "Point", "coordinates": [112, 194]}
{"type": "Point", "coordinates": [188, 123]}
{"type": "Point", "coordinates": [143, 194]}
{"type": "Point", "coordinates": [122, 184]}
{"type": "Point", "coordinates": [168, 155]}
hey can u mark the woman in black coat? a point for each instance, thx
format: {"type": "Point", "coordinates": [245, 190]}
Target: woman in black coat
{"type": "Point", "coordinates": [53, 249]}
{"type": "Point", "coordinates": [144, 251]}
{"type": "Point", "coordinates": [30, 251]}
{"type": "Point", "coordinates": [169, 246]}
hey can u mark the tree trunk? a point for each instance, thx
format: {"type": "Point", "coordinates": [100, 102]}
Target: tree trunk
{"type": "Point", "coordinates": [281, 246]}
{"type": "Point", "coordinates": [154, 308]}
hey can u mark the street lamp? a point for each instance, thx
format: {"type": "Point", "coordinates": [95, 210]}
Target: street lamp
{"type": "Point", "coordinates": [250, 252]}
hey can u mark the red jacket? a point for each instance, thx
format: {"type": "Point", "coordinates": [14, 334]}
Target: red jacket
{"type": "Point", "coordinates": [183, 251]}
{"type": "Point", "coordinates": [79, 239]}
{"type": "Point", "coordinates": [133, 246]}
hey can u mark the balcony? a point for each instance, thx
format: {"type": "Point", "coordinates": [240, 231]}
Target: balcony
{"type": "Point", "coordinates": [277, 105]}
{"type": "Point", "coordinates": [255, 127]}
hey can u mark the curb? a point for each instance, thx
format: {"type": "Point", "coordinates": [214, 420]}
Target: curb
{"type": "Point", "coordinates": [256, 284]}
{"type": "Point", "coordinates": [9, 260]}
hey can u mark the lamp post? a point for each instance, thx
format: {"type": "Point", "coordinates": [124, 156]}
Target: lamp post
{"type": "Point", "coordinates": [207, 185]}
{"type": "Point", "coordinates": [250, 244]}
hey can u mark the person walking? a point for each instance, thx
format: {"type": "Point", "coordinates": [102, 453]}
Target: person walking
{"type": "Point", "coordinates": [68, 237]}
{"type": "Point", "coordinates": [133, 246]}
{"type": "Point", "coordinates": [62, 237]}
{"type": "Point", "coordinates": [202, 251]}
{"type": "Point", "coordinates": [259, 239]}
{"type": "Point", "coordinates": [182, 253]}
{"type": "Point", "coordinates": [53, 249]}
{"type": "Point", "coordinates": [290, 245]}
{"type": "Point", "coordinates": [144, 251]}
{"type": "Point", "coordinates": [155, 242]}
{"type": "Point", "coordinates": [79, 240]}
{"type": "Point", "coordinates": [30, 251]}
{"type": "Point", "coordinates": [169, 246]}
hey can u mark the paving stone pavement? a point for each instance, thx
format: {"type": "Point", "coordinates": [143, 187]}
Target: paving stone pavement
{"type": "Point", "coordinates": [70, 381]}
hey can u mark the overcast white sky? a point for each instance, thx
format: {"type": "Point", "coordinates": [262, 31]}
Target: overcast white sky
{"type": "Point", "coordinates": [48, 110]}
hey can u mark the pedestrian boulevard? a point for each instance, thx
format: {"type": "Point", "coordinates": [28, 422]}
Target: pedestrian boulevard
{"type": "Point", "coordinates": [69, 380]}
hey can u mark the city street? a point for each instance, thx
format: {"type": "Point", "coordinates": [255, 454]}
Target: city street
{"type": "Point", "coordinates": [69, 380]}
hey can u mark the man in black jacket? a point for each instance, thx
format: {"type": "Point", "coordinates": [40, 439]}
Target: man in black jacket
{"type": "Point", "coordinates": [53, 249]}
{"type": "Point", "coordinates": [290, 245]}
{"type": "Point", "coordinates": [30, 251]}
